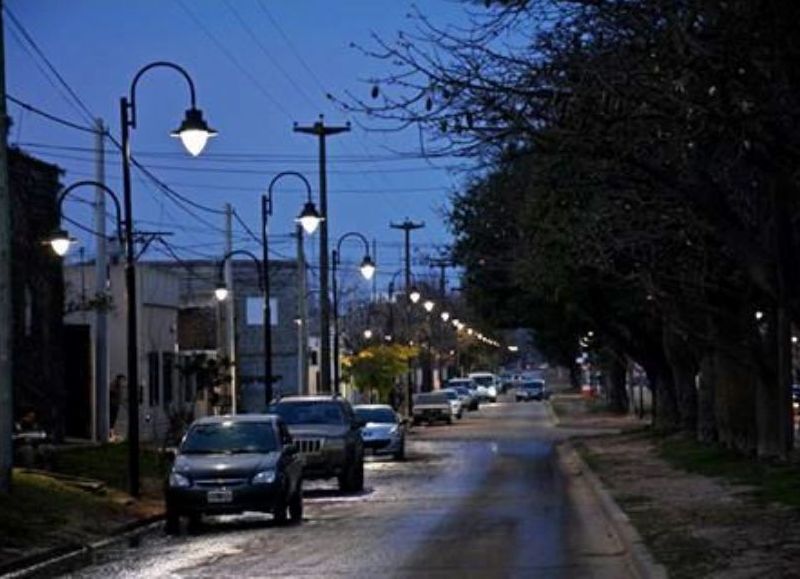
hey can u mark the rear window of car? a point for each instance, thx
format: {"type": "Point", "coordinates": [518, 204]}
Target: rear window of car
{"type": "Point", "coordinates": [431, 398]}
{"type": "Point", "coordinates": [534, 384]}
{"type": "Point", "coordinates": [311, 412]}
{"type": "Point", "coordinates": [451, 394]}
{"type": "Point", "coordinates": [230, 437]}
{"type": "Point", "coordinates": [376, 415]}
{"type": "Point", "coordinates": [483, 380]}
{"type": "Point", "coordinates": [460, 383]}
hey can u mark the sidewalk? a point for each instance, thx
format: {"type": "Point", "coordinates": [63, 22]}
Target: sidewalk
{"type": "Point", "coordinates": [693, 524]}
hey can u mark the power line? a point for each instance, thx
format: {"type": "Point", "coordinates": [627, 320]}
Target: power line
{"type": "Point", "coordinates": [230, 56]}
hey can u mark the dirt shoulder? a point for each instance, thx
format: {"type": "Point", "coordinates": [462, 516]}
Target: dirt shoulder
{"type": "Point", "coordinates": [701, 511]}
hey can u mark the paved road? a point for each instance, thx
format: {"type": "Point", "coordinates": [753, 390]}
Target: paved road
{"type": "Point", "coordinates": [482, 498]}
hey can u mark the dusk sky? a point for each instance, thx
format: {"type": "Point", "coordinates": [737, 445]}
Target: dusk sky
{"type": "Point", "coordinates": [258, 66]}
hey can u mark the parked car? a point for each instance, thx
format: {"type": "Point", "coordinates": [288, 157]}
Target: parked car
{"type": "Point", "coordinates": [796, 397]}
{"type": "Point", "coordinates": [455, 402]}
{"type": "Point", "coordinates": [431, 407]}
{"type": "Point", "coordinates": [328, 434]}
{"type": "Point", "coordinates": [232, 464]}
{"type": "Point", "coordinates": [532, 390]}
{"type": "Point", "coordinates": [469, 395]}
{"type": "Point", "coordinates": [384, 431]}
{"type": "Point", "coordinates": [487, 384]}
{"type": "Point", "coordinates": [469, 398]}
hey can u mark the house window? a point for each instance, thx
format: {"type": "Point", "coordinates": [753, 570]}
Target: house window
{"type": "Point", "coordinates": [153, 377]}
{"type": "Point", "coordinates": [168, 364]}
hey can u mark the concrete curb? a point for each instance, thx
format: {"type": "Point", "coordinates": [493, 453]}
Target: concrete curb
{"type": "Point", "coordinates": [642, 562]}
{"type": "Point", "coordinates": [59, 561]}
{"type": "Point", "coordinates": [552, 413]}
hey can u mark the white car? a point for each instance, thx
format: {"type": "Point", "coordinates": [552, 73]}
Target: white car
{"type": "Point", "coordinates": [456, 405]}
{"type": "Point", "coordinates": [487, 385]}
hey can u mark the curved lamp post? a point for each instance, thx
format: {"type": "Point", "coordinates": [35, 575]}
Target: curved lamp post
{"type": "Point", "coordinates": [309, 219]}
{"type": "Point", "coordinates": [194, 133]}
{"type": "Point", "coordinates": [367, 270]}
{"type": "Point", "coordinates": [60, 240]}
{"type": "Point", "coordinates": [221, 292]}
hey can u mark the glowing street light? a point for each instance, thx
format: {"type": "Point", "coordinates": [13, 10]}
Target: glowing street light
{"type": "Point", "coordinates": [428, 305]}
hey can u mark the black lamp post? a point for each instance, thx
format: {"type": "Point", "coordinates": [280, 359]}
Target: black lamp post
{"type": "Point", "coordinates": [367, 270]}
{"type": "Point", "coordinates": [60, 240]}
{"type": "Point", "coordinates": [221, 293]}
{"type": "Point", "coordinates": [194, 133]}
{"type": "Point", "coordinates": [309, 219]}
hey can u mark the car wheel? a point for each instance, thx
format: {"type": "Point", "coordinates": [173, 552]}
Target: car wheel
{"type": "Point", "coordinates": [449, 420]}
{"type": "Point", "coordinates": [358, 476]}
{"type": "Point", "coordinates": [172, 523]}
{"type": "Point", "coordinates": [279, 509]}
{"type": "Point", "coordinates": [296, 505]}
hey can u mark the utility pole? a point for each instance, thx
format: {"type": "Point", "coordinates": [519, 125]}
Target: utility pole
{"type": "Point", "coordinates": [321, 131]}
{"type": "Point", "coordinates": [102, 424]}
{"type": "Point", "coordinates": [302, 314]}
{"type": "Point", "coordinates": [407, 227]}
{"type": "Point", "coordinates": [230, 315]}
{"type": "Point", "coordinates": [442, 264]}
{"type": "Point", "coordinates": [6, 385]}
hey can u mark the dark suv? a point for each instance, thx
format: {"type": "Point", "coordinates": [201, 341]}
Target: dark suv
{"type": "Point", "coordinates": [326, 431]}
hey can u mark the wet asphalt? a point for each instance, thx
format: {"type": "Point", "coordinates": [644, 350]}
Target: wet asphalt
{"type": "Point", "coordinates": [482, 498]}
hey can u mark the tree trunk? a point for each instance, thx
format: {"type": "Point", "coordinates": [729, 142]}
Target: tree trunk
{"type": "Point", "coordinates": [615, 368]}
{"type": "Point", "coordinates": [706, 419]}
{"type": "Point", "coordinates": [684, 369]}
{"type": "Point", "coordinates": [734, 399]}
{"type": "Point", "coordinates": [666, 417]}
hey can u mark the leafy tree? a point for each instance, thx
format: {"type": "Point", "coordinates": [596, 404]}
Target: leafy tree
{"type": "Point", "coordinates": [376, 368]}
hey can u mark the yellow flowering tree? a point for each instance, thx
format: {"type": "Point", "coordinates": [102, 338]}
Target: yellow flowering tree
{"type": "Point", "coordinates": [376, 368]}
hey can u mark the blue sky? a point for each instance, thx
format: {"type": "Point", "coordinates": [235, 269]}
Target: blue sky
{"type": "Point", "coordinates": [268, 65]}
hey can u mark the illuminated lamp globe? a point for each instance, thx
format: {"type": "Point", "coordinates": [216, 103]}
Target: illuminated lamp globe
{"type": "Point", "coordinates": [414, 295]}
{"type": "Point", "coordinates": [221, 293]}
{"type": "Point", "coordinates": [367, 267]}
{"type": "Point", "coordinates": [60, 241]}
{"type": "Point", "coordinates": [194, 132]}
{"type": "Point", "coordinates": [428, 305]}
{"type": "Point", "coordinates": [309, 218]}
{"type": "Point", "coordinates": [445, 316]}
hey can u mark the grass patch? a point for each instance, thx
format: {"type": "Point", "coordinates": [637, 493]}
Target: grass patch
{"type": "Point", "coordinates": [108, 463]}
{"type": "Point", "coordinates": [770, 482]}
{"type": "Point", "coordinates": [43, 512]}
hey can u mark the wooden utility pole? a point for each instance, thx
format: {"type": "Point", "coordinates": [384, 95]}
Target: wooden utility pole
{"type": "Point", "coordinates": [321, 131]}
{"type": "Point", "coordinates": [6, 385]}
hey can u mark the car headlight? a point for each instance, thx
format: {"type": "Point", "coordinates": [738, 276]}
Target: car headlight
{"type": "Point", "coordinates": [178, 481]}
{"type": "Point", "coordinates": [265, 477]}
{"type": "Point", "coordinates": [394, 429]}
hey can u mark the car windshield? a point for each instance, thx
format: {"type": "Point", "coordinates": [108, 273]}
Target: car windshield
{"type": "Point", "coordinates": [230, 437]}
{"type": "Point", "coordinates": [378, 415]}
{"type": "Point", "coordinates": [462, 390]}
{"type": "Point", "coordinates": [431, 398]}
{"type": "Point", "coordinates": [534, 384]}
{"type": "Point", "coordinates": [460, 383]}
{"type": "Point", "coordinates": [451, 394]}
{"type": "Point", "coordinates": [483, 380]}
{"type": "Point", "coordinates": [311, 412]}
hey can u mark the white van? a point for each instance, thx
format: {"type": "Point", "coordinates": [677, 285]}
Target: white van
{"type": "Point", "coordinates": [488, 385]}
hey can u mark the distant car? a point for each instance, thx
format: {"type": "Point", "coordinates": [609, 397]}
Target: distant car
{"type": "Point", "coordinates": [455, 402]}
{"type": "Point", "coordinates": [232, 464]}
{"type": "Point", "coordinates": [796, 397]}
{"type": "Point", "coordinates": [531, 390]}
{"type": "Point", "coordinates": [470, 387]}
{"type": "Point", "coordinates": [384, 432]}
{"type": "Point", "coordinates": [431, 407]}
{"type": "Point", "coordinates": [328, 435]}
{"type": "Point", "coordinates": [469, 397]}
{"type": "Point", "coordinates": [487, 385]}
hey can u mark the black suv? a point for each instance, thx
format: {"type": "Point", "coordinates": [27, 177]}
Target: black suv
{"type": "Point", "coordinates": [231, 464]}
{"type": "Point", "coordinates": [327, 432]}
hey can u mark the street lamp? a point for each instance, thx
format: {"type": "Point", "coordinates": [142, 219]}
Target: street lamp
{"type": "Point", "coordinates": [60, 240]}
{"type": "Point", "coordinates": [367, 271]}
{"type": "Point", "coordinates": [428, 305]}
{"type": "Point", "coordinates": [194, 133]}
{"type": "Point", "coordinates": [445, 316]}
{"type": "Point", "coordinates": [414, 294]}
{"type": "Point", "coordinates": [222, 292]}
{"type": "Point", "coordinates": [367, 334]}
{"type": "Point", "coordinates": [309, 220]}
